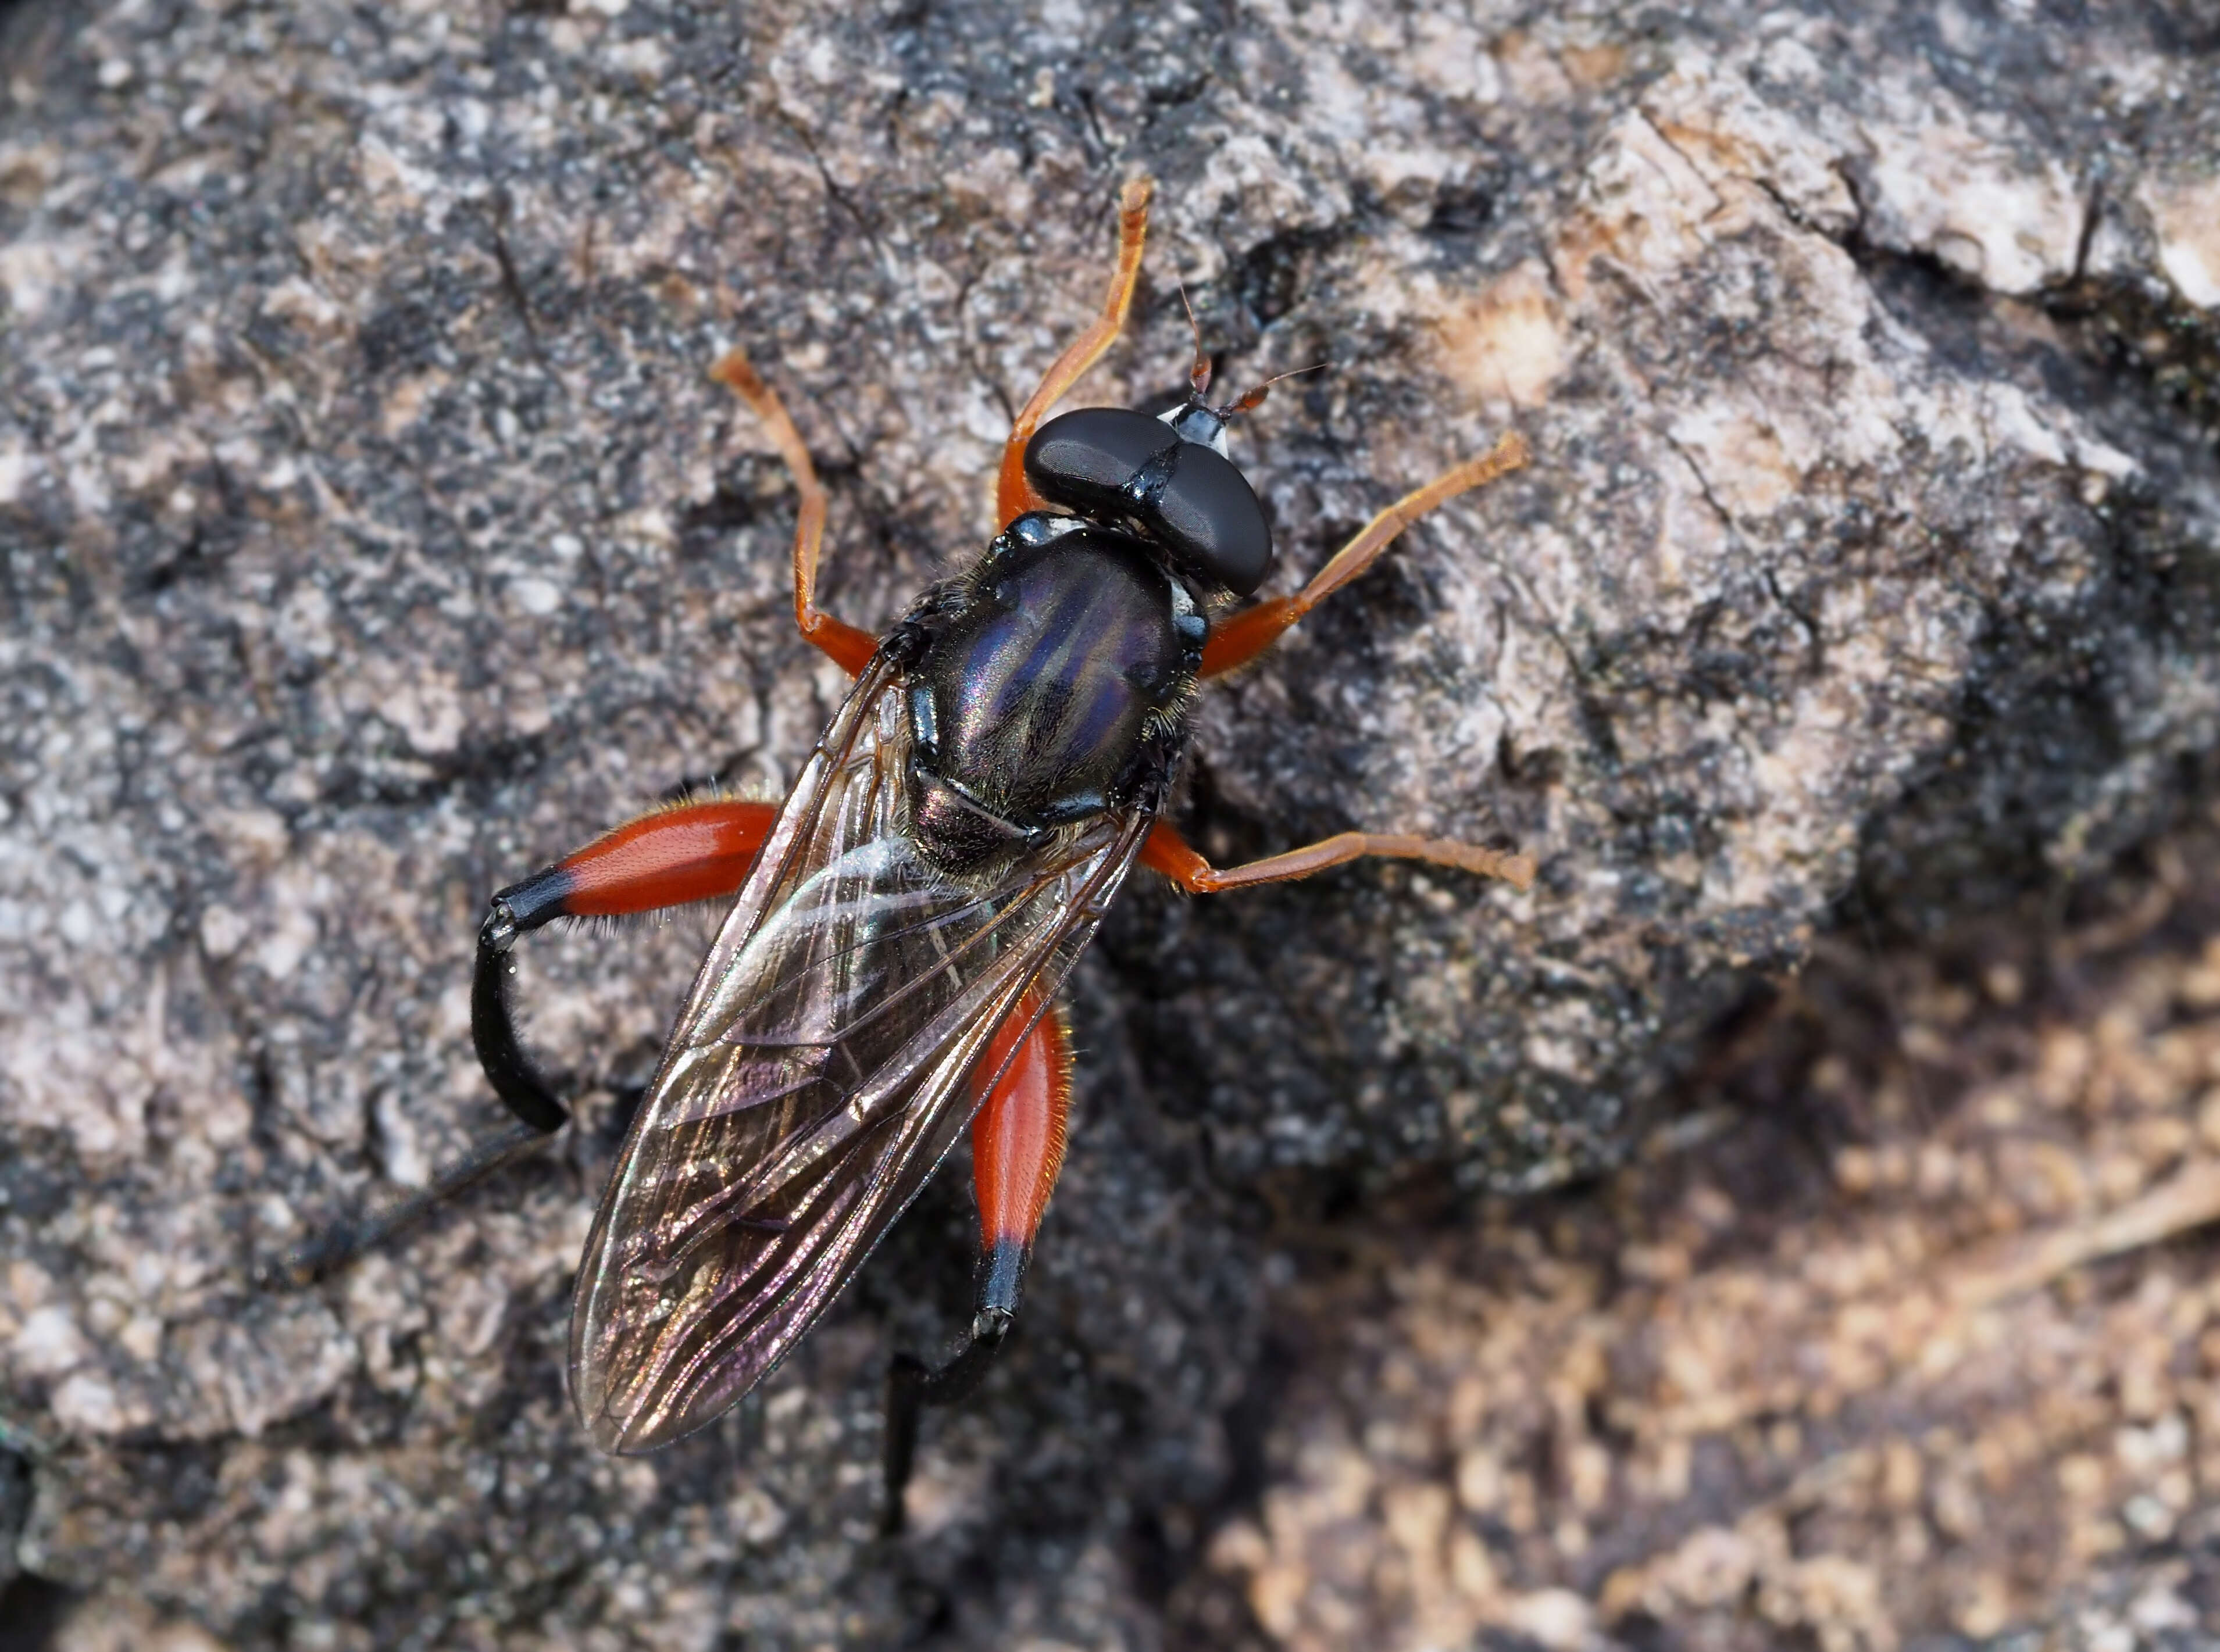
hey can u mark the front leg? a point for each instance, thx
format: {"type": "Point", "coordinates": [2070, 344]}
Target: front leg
{"type": "Point", "coordinates": [1241, 637]}
{"type": "Point", "coordinates": [1013, 496]}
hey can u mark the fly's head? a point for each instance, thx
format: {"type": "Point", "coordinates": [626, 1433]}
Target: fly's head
{"type": "Point", "coordinates": [1165, 478]}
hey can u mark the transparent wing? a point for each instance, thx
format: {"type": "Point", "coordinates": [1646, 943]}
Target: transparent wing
{"type": "Point", "coordinates": [816, 1077]}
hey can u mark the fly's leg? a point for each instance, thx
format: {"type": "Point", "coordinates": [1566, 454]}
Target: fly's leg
{"type": "Point", "coordinates": [1013, 496]}
{"type": "Point", "coordinates": [671, 857]}
{"type": "Point", "coordinates": [674, 857]}
{"type": "Point", "coordinates": [344, 1240]}
{"type": "Point", "coordinates": [849, 648]}
{"type": "Point", "coordinates": [1017, 1145]}
{"type": "Point", "coordinates": [1249, 633]}
{"type": "Point", "coordinates": [1017, 1148]}
{"type": "Point", "coordinates": [1166, 851]}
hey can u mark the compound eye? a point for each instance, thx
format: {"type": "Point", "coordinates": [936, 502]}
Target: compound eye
{"type": "Point", "coordinates": [1084, 460]}
{"type": "Point", "coordinates": [1208, 517]}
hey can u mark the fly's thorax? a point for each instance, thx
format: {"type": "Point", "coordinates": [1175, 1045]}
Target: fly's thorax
{"type": "Point", "coordinates": [1046, 686]}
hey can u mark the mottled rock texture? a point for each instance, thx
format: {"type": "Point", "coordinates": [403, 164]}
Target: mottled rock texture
{"type": "Point", "coordinates": [371, 535]}
{"type": "Point", "coordinates": [1916, 1338]}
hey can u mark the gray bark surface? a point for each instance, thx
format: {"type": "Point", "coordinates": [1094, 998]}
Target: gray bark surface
{"type": "Point", "coordinates": [371, 534]}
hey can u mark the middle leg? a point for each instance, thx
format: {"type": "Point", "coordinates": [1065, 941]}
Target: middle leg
{"type": "Point", "coordinates": [1168, 852]}
{"type": "Point", "coordinates": [849, 648]}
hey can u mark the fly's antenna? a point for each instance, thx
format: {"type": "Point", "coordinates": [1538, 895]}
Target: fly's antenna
{"type": "Point", "coordinates": [1251, 400]}
{"type": "Point", "coordinates": [1197, 421]}
{"type": "Point", "coordinates": [1198, 377]}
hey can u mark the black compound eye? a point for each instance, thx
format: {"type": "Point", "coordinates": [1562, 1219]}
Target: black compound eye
{"type": "Point", "coordinates": [1083, 460]}
{"type": "Point", "coordinates": [1119, 465]}
{"type": "Point", "coordinates": [1207, 516]}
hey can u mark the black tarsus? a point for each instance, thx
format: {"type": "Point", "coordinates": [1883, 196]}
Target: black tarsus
{"type": "Point", "coordinates": [343, 1240]}
{"type": "Point", "coordinates": [523, 1089]}
{"type": "Point", "coordinates": [911, 1386]}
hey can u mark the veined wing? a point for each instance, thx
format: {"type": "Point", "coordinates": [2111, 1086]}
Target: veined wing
{"type": "Point", "coordinates": [817, 1075]}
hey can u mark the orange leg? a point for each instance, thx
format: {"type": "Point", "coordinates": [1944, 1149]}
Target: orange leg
{"type": "Point", "coordinates": [1013, 496]}
{"type": "Point", "coordinates": [1249, 633]}
{"type": "Point", "coordinates": [697, 852]}
{"type": "Point", "coordinates": [1017, 1148]}
{"type": "Point", "coordinates": [693, 852]}
{"type": "Point", "coordinates": [1166, 851]}
{"type": "Point", "coordinates": [849, 648]}
{"type": "Point", "coordinates": [1017, 1144]}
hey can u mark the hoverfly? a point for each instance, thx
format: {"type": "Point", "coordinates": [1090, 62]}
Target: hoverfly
{"type": "Point", "coordinates": [902, 923]}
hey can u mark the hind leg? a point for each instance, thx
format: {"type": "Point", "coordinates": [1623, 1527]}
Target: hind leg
{"type": "Point", "coordinates": [700, 852]}
{"type": "Point", "coordinates": [673, 857]}
{"type": "Point", "coordinates": [1017, 1149]}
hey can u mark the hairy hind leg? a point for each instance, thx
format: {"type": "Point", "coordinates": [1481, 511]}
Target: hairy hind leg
{"type": "Point", "coordinates": [698, 851]}
{"type": "Point", "coordinates": [1013, 496]}
{"type": "Point", "coordinates": [850, 649]}
{"type": "Point", "coordinates": [671, 857]}
{"type": "Point", "coordinates": [1017, 1148]}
